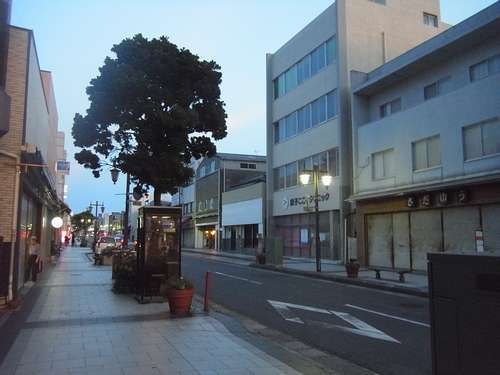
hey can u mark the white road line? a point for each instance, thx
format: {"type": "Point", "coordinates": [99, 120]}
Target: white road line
{"type": "Point", "coordinates": [389, 316]}
{"type": "Point", "coordinates": [239, 278]}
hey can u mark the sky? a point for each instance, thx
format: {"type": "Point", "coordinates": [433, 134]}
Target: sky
{"type": "Point", "coordinates": [74, 37]}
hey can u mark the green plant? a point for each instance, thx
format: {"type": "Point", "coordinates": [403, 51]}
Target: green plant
{"type": "Point", "coordinates": [110, 250]}
{"type": "Point", "coordinates": [178, 283]}
{"type": "Point", "coordinates": [125, 276]}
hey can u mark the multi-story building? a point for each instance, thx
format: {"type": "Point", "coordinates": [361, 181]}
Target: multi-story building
{"type": "Point", "coordinates": [202, 203]}
{"type": "Point", "coordinates": [426, 139]}
{"type": "Point", "coordinates": [309, 116]}
{"type": "Point", "coordinates": [31, 151]}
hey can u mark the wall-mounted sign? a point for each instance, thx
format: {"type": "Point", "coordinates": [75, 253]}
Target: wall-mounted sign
{"type": "Point", "coordinates": [437, 198]}
{"type": "Point", "coordinates": [62, 167]}
{"type": "Point", "coordinates": [309, 200]}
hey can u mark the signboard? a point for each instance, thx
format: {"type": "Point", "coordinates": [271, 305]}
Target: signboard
{"type": "Point", "coordinates": [62, 167]}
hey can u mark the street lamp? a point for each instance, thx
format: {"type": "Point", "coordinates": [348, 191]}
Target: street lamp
{"type": "Point", "coordinates": [326, 178]}
{"type": "Point", "coordinates": [102, 211]}
{"type": "Point", "coordinates": [114, 178]}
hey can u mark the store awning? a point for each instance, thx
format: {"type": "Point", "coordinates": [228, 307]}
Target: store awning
{"type": "Point", "coordinates": [185, 219]}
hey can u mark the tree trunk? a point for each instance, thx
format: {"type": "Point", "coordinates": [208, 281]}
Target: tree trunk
{"type": "Point", "coordinates": [157, 198]}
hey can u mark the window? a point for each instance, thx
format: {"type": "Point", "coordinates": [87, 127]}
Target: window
{"type": "Point", "coordinates": [279, 178]}
{"type": "Point", "coordinates": [438, 88]}
{"type": "Point", "coordinates": [333, 162]}
{"type": "Point", "coordinates": [248, 166]}
{"type": "Point", "coordinates": [426, 153]}
{"type": "Point", "coordinates": [311, 64]}
{"type": "Point", "coordinates": [485, 68]}
{"type": "Point", "coordinates": [287, 176]}
{"type": "Point", "coordinates": [383, 164]}
{"type": "Point", "coordinates": [391, 107]}
{"type": "Point", "coordinates": [315, 113]}
{"type": "Point", "coordinates": [291, 175]}
{"type": "Point", "coordinates": [430, 19]}
{"type": "Point", "coordinates": [378, 1]}
{"type": "Point", "coordinates": [482, 139]}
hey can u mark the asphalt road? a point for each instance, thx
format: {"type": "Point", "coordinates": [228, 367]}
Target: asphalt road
{"type": "Point", "coordinates": [387, 333]}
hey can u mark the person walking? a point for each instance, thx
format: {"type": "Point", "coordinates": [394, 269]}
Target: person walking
{"type": "Point", "coordinates": [33, 259]}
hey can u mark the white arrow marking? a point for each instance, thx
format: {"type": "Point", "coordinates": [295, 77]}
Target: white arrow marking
{"type": "Point", "coordinates": [239, 278]}
{"type": "Point", "coordinates": [362, 328]}
{"type": "Point", "coordinates": [389, 316]}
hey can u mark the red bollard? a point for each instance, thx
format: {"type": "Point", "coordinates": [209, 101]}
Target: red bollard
{"type": "Point", "coordinates": [206, 307]}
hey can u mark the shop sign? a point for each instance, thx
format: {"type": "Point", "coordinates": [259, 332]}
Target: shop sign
{"type": "Point", "coordinates": [309, 199]}
{"type": "Point", "coordinates": [442, 197]}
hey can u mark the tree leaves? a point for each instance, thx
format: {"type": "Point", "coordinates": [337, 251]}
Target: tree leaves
{"type": "Point", "coordinates": [153, 108]}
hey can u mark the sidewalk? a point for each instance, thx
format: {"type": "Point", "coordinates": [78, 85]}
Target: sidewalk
{"type": "Point", "coordinates": [71, 323]}
{"type": "Point", "coordinates": [415, 284]}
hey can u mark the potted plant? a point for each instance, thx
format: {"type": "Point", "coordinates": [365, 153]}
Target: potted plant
{"type": "Point", "coordinates": [261, 258]}
{"type": "Point", "coordinates": [352, 268]}
{"type": "Point", "coordinates": [15, 303]}
{"type": "Point", "coordinates": [108, 253]}
{"type": "Point", "coordinates": [179, 292]}
{"type": "Point", "coordinates": [125, 275]}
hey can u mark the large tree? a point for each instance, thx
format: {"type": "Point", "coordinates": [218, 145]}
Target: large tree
{"type": "Point", "coordinates": [153, 108]}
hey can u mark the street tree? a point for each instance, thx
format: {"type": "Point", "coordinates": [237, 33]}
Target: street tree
{"type": "Point", "coordinates": [153, 108]}
{"type": "Point", "coordinates": [82, 221]}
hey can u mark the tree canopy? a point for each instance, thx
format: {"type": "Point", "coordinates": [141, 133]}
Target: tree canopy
{"type": "Point", "coordinates": [153, 108]}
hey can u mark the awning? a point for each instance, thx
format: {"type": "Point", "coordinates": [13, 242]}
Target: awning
{"type": "Point", "coordinates": [185, 219]}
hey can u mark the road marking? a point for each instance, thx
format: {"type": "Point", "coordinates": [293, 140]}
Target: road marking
{"type": "Point", "coordinates": [389, 316]}
{"type": "Point", "coordinates": [239, 278]}
{"type": "Point", "coordinates": [362, 328]}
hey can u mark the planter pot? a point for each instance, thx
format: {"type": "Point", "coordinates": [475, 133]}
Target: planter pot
{"type": "Point", "coordinates": [13, 305]}
{"type": "Point", "coordinates": [352, 269]}
{"type": "Point", "coordinates": [180, 301]}
{"type": "Point", "coordinates": [261, 259]}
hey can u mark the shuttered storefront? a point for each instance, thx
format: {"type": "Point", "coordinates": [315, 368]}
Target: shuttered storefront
{"type": "Point", "coordinates": [491, 226]}
{"type": "Point", "coordinates": [380, 239]}
{"type": "Point", "coordinates": [459, 228]}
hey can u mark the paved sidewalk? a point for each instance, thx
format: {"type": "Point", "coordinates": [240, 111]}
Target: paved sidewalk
{"type": "Point", "coordinates": [71, 323]}
{"type": "Point", "coordinates": [415, 284]}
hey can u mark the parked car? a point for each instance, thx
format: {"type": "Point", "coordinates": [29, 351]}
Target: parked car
{"type": "Point", "coordinates": [131, 245]}
{"type": "Point", "coordinates": [104, 242]}
{"type": "Point", "coordinates": [119, 239]}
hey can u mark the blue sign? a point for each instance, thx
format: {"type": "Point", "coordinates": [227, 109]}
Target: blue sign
{"type": "Point", "coordinates": [62, 167]}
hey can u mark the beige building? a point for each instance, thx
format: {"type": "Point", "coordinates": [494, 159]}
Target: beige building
{"type": "Point", "coordinates": [31, 152]}
{"type": "Point", "coordinates": [309, 115]}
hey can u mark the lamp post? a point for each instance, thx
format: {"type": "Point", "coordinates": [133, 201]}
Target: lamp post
{"type": "Point", "coordinates": [326, 178]}
{"type": "Point", "coordinates": [96, 204]}
{"type": "Point", "coordinates": [114, 178]}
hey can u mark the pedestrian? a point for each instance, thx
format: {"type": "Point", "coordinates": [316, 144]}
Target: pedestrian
{"type": "Point", "coordinates": [73, 239]}
{"type": "Point", "coordinates": [33, 259]}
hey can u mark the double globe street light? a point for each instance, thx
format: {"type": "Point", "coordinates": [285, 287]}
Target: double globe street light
{"type": "Point", "coordinates": [304, 179]}
{"type": "Point", "coordinates": [114, 177]}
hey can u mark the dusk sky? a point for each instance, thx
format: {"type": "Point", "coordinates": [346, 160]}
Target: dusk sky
{"type": "Point", "coordinates": [74, 37]}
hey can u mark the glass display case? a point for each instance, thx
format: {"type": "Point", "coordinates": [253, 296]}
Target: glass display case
{"type": "Point", "coordinates": [159, 248]}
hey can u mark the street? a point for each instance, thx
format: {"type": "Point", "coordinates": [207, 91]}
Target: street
{"type": "Point", "coordinates": [385, 332]}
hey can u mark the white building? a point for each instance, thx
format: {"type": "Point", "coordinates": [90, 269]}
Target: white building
{"type": "Point", "coordinates": [309, 116]}
{"type": "Point", "coordinates": [426, 139]}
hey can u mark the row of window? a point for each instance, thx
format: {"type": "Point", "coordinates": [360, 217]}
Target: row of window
{"type": "Point", "coordinates": [429, 19]}
{"type": "Point", "coordinates": [287, 176]}
{"type": "Point", "coordinates": [442, 86]}
{"type": "Point", "coordinates": [312, 114]}
{"type": "Point", "coordinates": [310, 65]}
{"type": "Point", "coordinates": [479, 140]}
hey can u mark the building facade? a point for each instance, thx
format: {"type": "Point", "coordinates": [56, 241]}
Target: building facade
{"type": "Point", "coordinates": [202, 201]}
{"type": "Point", "coordinates": [426, 143]}
{"type": "Point", "coordinates": [309, 116]}
{"type": "Point", "coordinates": [31, 150]}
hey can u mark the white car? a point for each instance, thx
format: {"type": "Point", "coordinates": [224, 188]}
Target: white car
{"type": "Point", "coordinates": [104, 242]}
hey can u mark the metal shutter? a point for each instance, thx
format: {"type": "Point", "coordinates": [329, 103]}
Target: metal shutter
{"type": "Point", "coordinates": [425, 236]}
{"type": "Point", "coordinates": [491, 227]}
{"type": "Point", "coordinates": [459, 228]}
{"type": "Point", "coordinates": [379, 240]}
{"type": "Point", "coordinates": [401, 225]}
